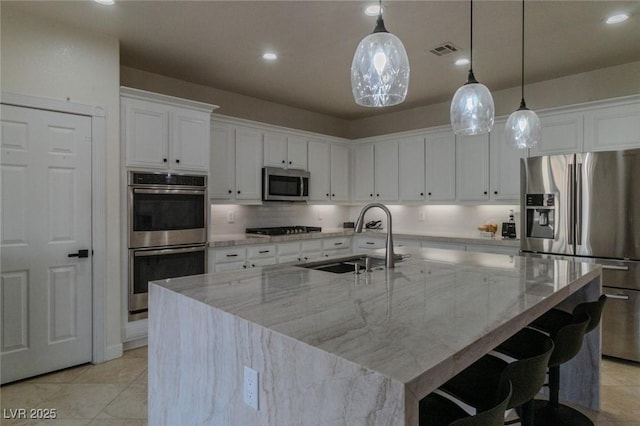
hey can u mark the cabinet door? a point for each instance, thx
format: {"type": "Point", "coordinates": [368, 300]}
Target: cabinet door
{"type": "Point", "coordinates": [386, 170]}
{"type": "Point", "coordinates": [190, 140]}
{"type": "Point", "coordinates": [275, 150]}
{"type": "Point", "coordinates": [146, 134]}
{"type": "Point", "coordinates": [472, 168]}
{"type": "Point", "coordinates": [339, 172]}
{"type": "Point", "coordinates": [411, 169]}
{"type": "Point", "coordinates": [504, 165]}
{"type": "Point", "coordinates": [222, 163]}
{"type": "Point", "coordinates": [561, 134]}
{"type": "Point", "coordinates": [296, 153]}
{"type": "Point", "coordinates": [248, 160]}
{"type": "Point", "coordinates": [320, 169]}
{"type": "Point", "coordinates": [363, 172]}
{"type": "Point", "coordinates": [613, 128]}
{"type": "Point", "coordinates": [440, 169]}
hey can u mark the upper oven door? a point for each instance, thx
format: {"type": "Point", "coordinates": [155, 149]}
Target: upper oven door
{"type": "Point", "coordinates": [285, 184]}
{"type": "Point", "coordinates": [164, 217]}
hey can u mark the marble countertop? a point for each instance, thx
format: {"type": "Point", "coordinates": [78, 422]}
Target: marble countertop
{"type": "Point", "coordinates": [418, 323]}
{"type": "Point", "coordinates": [227, 240]}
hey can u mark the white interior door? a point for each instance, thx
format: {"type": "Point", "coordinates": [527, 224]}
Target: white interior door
{"type": "Point", "coordinates": [45, 295]}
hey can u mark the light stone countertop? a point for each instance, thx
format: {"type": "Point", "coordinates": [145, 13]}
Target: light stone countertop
{"type": "Point", "coordinates": [229, 240]}
{"type": "Point", "coordinates": [418, 324]}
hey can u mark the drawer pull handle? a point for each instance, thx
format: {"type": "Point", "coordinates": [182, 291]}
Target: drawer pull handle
{"type": "Point", "coordinates": [232, 255]}
{"type": "Point", "coordinates": [337, 244]}
{"type": "Point", "coordinates": [617, 296]}
{"type": "Point", "coordinates": [264, 251]}
{"type": "Point", "coordinates": [370, 243]}
{"type": "Point", "coordinates": [615, 267]}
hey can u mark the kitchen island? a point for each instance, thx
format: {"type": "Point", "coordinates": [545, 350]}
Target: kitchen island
{"type": "Point", "coordinates": [346, 349]}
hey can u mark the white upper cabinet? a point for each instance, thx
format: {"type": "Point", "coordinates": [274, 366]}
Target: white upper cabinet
{"type": "Point", "coordinates": [163, 132]}
{"type": "Point", "coordinates": [472, 168]}
{"type": "Point", "coordinates": [339, 172]}
{"type": "Point", "coordinates": [562, 133]}
{"type": "Point", "coordinates": [236, 163]}
{"type": "Point", "coordinates": [411, 165]}
{"type": "Point", "coordinates": [386, 170]}
{"type": "Point", "coordinates": [612, 128]}
{"type": "Point", "coordinates": [363, 172]}
{"type": "Point", "coordinates": [440, 166]}
{"type": "Point", "coordinates": [504, 165]}
{"type": "Point", "coordinates": [285, 151]}
{"type": "Point", "coordinates": [329, 168]}
{"type": "Point", "coordinates": [320, 171]}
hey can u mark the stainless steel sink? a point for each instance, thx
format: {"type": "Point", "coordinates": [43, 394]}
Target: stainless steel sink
{"type": "Point", "coordinates": [347, 264]}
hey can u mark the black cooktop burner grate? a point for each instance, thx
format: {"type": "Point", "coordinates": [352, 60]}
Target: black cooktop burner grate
{"type": "Point", "coordinates": [283, 230]}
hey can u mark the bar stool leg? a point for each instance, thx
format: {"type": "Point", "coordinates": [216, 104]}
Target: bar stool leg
{"type": "Point", "coordinates": [552, 413]}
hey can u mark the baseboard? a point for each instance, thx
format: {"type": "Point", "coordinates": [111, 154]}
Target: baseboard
{"type": "Point", "coordinates": [133, 344]}
{"type": "Point", "coordinates": [113, 352]}
{"type": "Point", "coordinates": [135, 330]}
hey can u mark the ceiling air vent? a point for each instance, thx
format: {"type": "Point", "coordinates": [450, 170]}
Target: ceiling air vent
{"type": "Point", "coordinates": [444, 49]}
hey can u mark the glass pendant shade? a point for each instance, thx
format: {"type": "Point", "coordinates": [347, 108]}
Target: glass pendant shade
{"type": "Point", "coordinates": [523, 129]}
{"type": "Point", "coordinates": [472, 110]}
{"type": "Point", "coordinates": [380, 71]}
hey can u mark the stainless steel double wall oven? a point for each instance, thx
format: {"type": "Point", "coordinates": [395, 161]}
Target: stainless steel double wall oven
{"type": "Point", "coordinates": [167, 224]}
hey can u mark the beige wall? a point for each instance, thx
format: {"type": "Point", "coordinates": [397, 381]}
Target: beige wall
{"type": "Point", "coordinates": [605, 83]}
{"type": "Point", "coordinates": [235, 105]}
{"type": "Point", "coordinates": [43, 59]}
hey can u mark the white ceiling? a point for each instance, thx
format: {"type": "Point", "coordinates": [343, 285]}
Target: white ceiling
{"type": "Point", "coordinates": [219, 43]}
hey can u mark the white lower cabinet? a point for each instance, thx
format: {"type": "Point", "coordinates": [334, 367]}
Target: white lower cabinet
{"type": "Point", "coordinates": [311, 250]}
{"type": "Point", "coordinates": [262, 255]}
{"type": "Point", "coordinates": [369, 243]}
{"type": "Point", "coordinates": [336, 246]}
{"type": "Point", "coordinates": [227, 259]}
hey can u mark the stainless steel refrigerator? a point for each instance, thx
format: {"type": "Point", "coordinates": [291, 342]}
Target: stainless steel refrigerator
{"type": "Point", "coordinates": [587, 205]}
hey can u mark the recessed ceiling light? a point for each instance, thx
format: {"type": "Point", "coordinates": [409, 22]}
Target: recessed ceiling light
{"type": "Point", "coordinates": [105, 2]}
{"type": "Point", "coordinates": [373, 10]}
{"type": "Point", "coordinates": [269, 56]}
{"type": "Point", "coordinates": [461, 62]}
{"type": "Point", "coordinates": [616, 19]}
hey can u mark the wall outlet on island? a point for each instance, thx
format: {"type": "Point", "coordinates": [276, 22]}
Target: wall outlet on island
{"type": "Point", "coordinates": [251, 387]}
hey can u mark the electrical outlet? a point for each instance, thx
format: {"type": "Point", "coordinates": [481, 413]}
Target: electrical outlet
{"type": "Point", "coordinates": [251, 387]}
{"type": "Point", "coordinates": [420, 215]}
{"type": "Point", "coordinates": [231, 216]}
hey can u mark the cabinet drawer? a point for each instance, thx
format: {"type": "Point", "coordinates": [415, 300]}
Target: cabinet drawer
{"type": "Point", "coordinates": [335, 243]}
{"type": "Point", "coordinates": [230, 255]}
{"type": "Point", "coordinates": [286, 258]}
{"type": "Point", "coordinates": [311, 255]}
{"type": "Point", "coordinates": [311, 246]}
{"type": "Point", "coordinates": [287, 249]}
{"type": "Point", "coordinates": [371, 243]}
{"type": "Point", "coordinates": [229, 266]}
{"type": "Point", "coordinates": [261, 252]}
{"type": "Point", "coordinates": [253, 263]}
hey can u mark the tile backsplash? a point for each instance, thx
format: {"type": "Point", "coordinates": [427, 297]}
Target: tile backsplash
{"type": "Point", "coordinates": [460, 220]}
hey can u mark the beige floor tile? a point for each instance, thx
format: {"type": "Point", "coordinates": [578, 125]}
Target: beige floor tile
{"type": "Point", "coordinates": [130, 404]}
{"type": "Point", "coordinates": [619, 372]}
{"type": "Point", "coordinates": [27, 394]}
{"type": "Point", "coordinates": [121, 371]}
{"type": "Point", "coordinates": [136, 353]}
{"type": "Point", "coordinates": [48, 422]}
{"type": "Point", "coordinates": [117, 422]}
{"type": "Point", "coordinates": [142, 377]}
{"type": "Point", "coordinates": [82, 401]}
{"type": "Point", "coordinates": [63, 376]}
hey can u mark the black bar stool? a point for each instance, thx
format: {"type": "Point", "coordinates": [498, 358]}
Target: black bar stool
{"type": "Point", "coordinates": [436, 410]}
{"type": "Point", "coordinates": [527, 375]}
{"type": "Point", "coordinates": [568, 341]}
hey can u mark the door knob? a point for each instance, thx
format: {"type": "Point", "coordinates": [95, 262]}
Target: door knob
{"type": "Point", "coordinates": [80, 254]}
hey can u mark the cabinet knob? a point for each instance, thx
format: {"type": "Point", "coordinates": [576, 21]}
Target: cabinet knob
{"type": "Point", "coordinates": [377, 195]}
{"type": "Point", "coordinates": [164, 160]}
{"type": "Point", "coordinates": [238, 192]}
{"type": "Point", "coordinates": [283, 161]}
{"type": "Point", "coordinates": [485, 192]}
{"type": "Point", "coordinates": [177, 161]}
{"type": "Point", "coordinates": [333, 195]}
{"type": "Point", "coordinates": [290, 162]}
{"type": "Point", "coordinates": [429, 193]}
{"type": "Point", "coordinates": [230, 191]}
{"type": "Point", "coordinates": [327, 194]}
{"type": "Point", "coordinates": [495, 192]}
{"type": "Point", "coordinates": [422, 194]}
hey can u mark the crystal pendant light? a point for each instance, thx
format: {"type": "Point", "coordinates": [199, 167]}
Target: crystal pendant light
{"type": "Point", "coordinates": [472, 111]}
{"type": "Point", "coordinates": [380, 69]}
{"type": "Point", "coordinates": [523, 128]}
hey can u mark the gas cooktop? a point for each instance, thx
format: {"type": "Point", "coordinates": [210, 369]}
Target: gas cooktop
{"type": "Point", "coordinates": [283, 230]}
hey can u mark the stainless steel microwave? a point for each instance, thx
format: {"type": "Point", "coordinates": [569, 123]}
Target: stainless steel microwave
{"type": "Point", "coordinates": [285, 184]}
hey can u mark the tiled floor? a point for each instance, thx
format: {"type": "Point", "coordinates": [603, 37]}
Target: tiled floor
{"type": "Point", "coordinates": [115, 393]}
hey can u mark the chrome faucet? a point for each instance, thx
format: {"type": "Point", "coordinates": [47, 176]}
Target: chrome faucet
{"type": "Point", "coordinates": [390, 257]}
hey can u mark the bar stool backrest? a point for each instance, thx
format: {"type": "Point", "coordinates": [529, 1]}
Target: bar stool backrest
{"type": "Point", "coordinates": [493, 416]}
{"type": "Point", "coordinates": [568, 340]}
{"type": "Point", "coordinates": [593, 309]}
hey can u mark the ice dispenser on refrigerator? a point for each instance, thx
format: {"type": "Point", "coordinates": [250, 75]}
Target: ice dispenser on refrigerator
{"type": "Point", "coordinates": [540, 217]}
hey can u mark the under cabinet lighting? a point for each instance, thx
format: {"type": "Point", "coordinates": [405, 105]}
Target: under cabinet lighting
{"type": "Point", "coordinates": [616, 19]}
{"type": "Point", "coordinates": [373, 10]}
{"type": "Point", "coordinates": [106, 2]}
{"type": "Point", "coordinates": [461, 62]}
{"type": "Point", "coordinates": [269, 56]}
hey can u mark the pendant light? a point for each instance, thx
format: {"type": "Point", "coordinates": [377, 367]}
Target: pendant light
{"type": "Point", "coordinates": [522, 130]}
{"type": "Point", "coordinates": [472, 111]}
{"type": "Point", "coordinates": [380, 68]}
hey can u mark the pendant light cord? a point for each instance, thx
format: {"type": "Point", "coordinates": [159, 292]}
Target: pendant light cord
{"type": "Point", "coordinates": [522, 85]}
{"type": "Point", "coordinates": [471, 38]}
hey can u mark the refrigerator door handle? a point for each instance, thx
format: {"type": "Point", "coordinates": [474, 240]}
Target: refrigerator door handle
{"type": "Point", "coordinates": [571, 205]}
{"type": "Point", "coordinates": [617, 296]}
{"type": "Point", "coordinates": [578, 204]}
{"type": "Point", "coordinates": [616, 267]}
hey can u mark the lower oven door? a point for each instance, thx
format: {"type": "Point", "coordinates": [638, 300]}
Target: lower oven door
{"type": "Point", "coordinates": [158, 264]}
